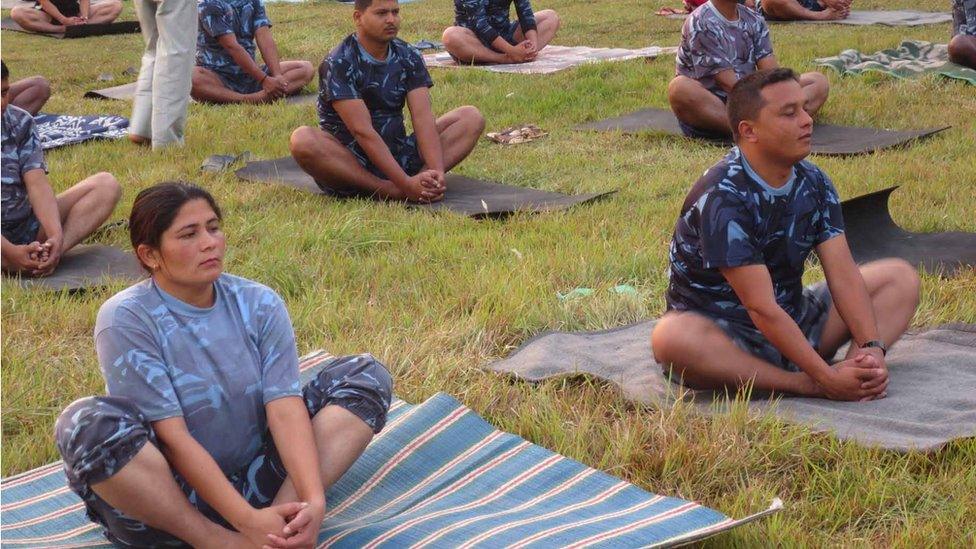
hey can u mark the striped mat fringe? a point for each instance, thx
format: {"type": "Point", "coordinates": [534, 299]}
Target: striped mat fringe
{"type": "Point", "coordinates": [437, 476]}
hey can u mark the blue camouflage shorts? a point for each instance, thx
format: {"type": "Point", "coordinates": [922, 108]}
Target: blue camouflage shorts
{"type": "Point", "coordinates": [98, 436]}
{"type": "Point", "coordinates": [239, 81]}
{"type": "Point", "coordinates": [23, 232]}
{"type": "Point", "coordinates": [507, 33]}
{"type": "Point", "coordinates": [407, 156]}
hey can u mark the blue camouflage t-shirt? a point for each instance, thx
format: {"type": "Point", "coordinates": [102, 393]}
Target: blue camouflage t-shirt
{"type": "Point", "coordinates": [710, 44]}
{"type": "Point", "coordinates": [733, 218]}
{"type": "Point", "coordinates": [242, 18]}
{"type": "Point", "coordinates": [21, 154]}
{"type": "Point", "coordinates": [488, 19]}
{"type": "Point", "coordinates": [350, 72]}
{"type": "Point", "coordinates": [217, 367]}
{"type": "Point", "coordinates": [964, 17]}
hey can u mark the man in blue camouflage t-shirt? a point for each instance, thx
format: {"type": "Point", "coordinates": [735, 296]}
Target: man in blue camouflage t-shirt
{"type": "Point", "coordinates": [361, 147]}
{"type": "Point", "coordinates": [231, 31]}
{"type": "Point", "coordinates": [483, 33]}
{"type": "Point", "coordinates": [721, 42]}
{"type": "Point", "coordinates": [962, 47]}
{"type": "Point", "coordinates": [38, 227]}
{"type": "Point", "coordinates": [738, 313]}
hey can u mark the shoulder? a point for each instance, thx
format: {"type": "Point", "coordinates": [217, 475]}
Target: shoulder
{"type": "Point", "coordinates": [719, 184]}
{"type": "Point", "coordinates": [406, 51]}
{"type": "Point", "coordinates": [815, 179]}
{"type": "Point", "coordinates": [345, 52]}
{"type": "Point", "coordinates": [702, 17]}
{"type": "Point", "coordinates": [212, 6]}
{"type": "Point", "coordinates": [751, 17]}
{"type": "Point", "coordinates": [123, 308]}
{"type": "Point", "coordinates": [249, 293]}
{"type": "Point", "coordinates": [17, 119]}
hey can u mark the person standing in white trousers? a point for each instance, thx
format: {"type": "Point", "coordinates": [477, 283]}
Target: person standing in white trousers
{"type": "Point", "coordinates": [169, 28]}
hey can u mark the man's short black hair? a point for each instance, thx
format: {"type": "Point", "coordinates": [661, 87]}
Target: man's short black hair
{"type": "Point", "coordinates": [6, 72]}
{"type": "Point", "coordinates": [745, 100]}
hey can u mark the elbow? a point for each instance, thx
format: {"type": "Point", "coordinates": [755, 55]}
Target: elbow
{"type": "Point", "coordinates": [763, 312]}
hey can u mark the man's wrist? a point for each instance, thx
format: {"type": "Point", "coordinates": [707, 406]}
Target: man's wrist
{"type": "Point", "coordinates": [874, 344]}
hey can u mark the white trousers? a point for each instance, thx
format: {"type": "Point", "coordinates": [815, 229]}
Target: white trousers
{"type": "Point", "coordinates": [169, 28]}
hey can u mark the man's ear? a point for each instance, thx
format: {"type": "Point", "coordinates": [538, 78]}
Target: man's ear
{"type": "Point", "coordinates": [747, 131]}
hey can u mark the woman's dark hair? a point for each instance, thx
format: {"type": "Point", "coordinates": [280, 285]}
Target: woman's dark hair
{"type": "Point", "coordinates": [4, 71]}
{"type": "Point", "coordinates": [155, 208]}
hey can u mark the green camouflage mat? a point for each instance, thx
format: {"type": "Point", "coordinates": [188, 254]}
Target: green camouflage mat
{"type": "Point", "coordinates": [911, 58]}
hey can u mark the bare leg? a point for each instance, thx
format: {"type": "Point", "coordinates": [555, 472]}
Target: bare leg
{"type": "Point", "coordinates": [694, 105]}
{"type": "Point", "coordinates": [105, 11]}
{"type": "Point", "coordinates": [298, 74]}
{"type": "Point", "coordinates": [327, 160]}
{"type": "Point", "coordinates": [459, 130]}
{"type": "Point", "coordinates": [35, 20]}
{"type": "Point", "coordinates": [962, 50]}
{"type": "Point", "coordinates": [705, 358]}
{"type": "Point", "coordinates": [30, 93]}
{"type": "Point", "coordinates": [893, 286]}
{"type": "Point", "coordinates": [85, 207]}
{"type": "Point", "coordinates": [340, 437]}
{"type": "Point", "coordinates": [546, 24]}
{"type": "Point", "coordinates": [465, 46]}
{"type": "Point", "coordinates": [791, 10]}
{"type": "Point", "coordinates": [209, 88]}
{"type": "Point", "coordinates": [816, 87]}
{"type": "Point", "coordinates": [144, 489]}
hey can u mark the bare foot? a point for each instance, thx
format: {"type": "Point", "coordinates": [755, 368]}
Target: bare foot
{"type": "Point", "coordinates": [227, 539]}
{"type": "Point", "coordinates": [832, 14]}
{"type": "Point", "coordinates": [140, 140]}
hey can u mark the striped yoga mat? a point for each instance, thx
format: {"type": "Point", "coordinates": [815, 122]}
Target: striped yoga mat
{"type": "Point", "coordinates": [437, 475]}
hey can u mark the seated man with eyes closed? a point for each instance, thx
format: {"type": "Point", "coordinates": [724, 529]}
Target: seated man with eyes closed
{"type": "Point", "coordinates": [362, 147]}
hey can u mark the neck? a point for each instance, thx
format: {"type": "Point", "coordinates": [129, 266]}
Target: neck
{"type": "Point", "coordinates": [377, 49]}
{"type": "Point", "coordinates": [728, 8]}
{"type": "Point", "coordinates": [775, 172]}
{"type": "Point", "coordinates": [198, 295]}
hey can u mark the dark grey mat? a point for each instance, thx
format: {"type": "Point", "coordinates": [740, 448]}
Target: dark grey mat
{"type": "Point", "coordinates": [78, 31]}
{"type": "Point", "coordinates": [931, 397]}
{"type": "Point", "coordinates": [828, 139]}
{"type": "Point", "coordinates": [465, 196]}
{"type": "Point", "coordinates": [87, 266]}
{"type": "Point", "coordinates": [126, 92]}
{"type": "Point", "coordinates": [888, 18]}
{"type": "Point", "coordinates": [873, 234]}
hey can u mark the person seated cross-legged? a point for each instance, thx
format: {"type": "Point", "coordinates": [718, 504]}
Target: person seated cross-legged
{"type": "Point", "coordinates": [39, 227]}
{"type": "Point", "coordinates": [798, 10]}
{"type": "Point", "coordinates": [362, 148]}
{"type": "Point", "coordinates": [738, 314]}
{"type": "Point", "coordinates": [53, 16]}
{"type": "Point", "coordinates": [962, 46]}
{"type": "Point", "coordinates": [227, 70]}
{"type": "Point", "coordinates": [207, 437]}
{"type": "Point", "coordinates": [721, 42]}
{"type": "Point", "coordinates": [482, 32]}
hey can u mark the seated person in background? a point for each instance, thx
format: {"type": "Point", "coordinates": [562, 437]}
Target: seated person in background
{"type": "Point", "coordinates": [722, 42]}
{"type": "Point", "coordinates": [227, 70]}
{"type": "Point", "coordinates": [738, 314]}
{"type": "Point", "coordinates": [52, 16]}
{"type": "Point", "coordinates": [362, 147]}
{"type": "Point", "coordinates": [483, 33]}
{"type": "Point", "coordinates": [796, 10]}
{"type": "Point", "coordinates": [29, 93]}
{"type": "Point", "coordinates": [962, 47]}
{"type": "Point", "coordinates": [213, 441]}
{"type": "Point", "coordinates": [38, 227]}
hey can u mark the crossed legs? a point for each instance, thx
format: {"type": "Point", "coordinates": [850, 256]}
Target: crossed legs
{"type": "Point", "coordinates": [209, 88]}
{"type": "Point", "coordinates": [30, 93]}
{"type": "Point", "coordinates": [327, 160]}
{"type": "Point", "coordinates": [698, 107]}
{"type": "Point", "coordinates": [706, 358]}
{"type": "Point", "coordinates": [464, 44]}
{"type": "Point", "coordinates": [39, 21]}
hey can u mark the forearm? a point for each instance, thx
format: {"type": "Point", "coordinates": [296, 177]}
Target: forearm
{"type": "Point", "coordinates": [782, 331]}
{"type": "Point", "coordinates": [429, 144]}
{"type": "Point", "coordinates": [292, 432]}
{"type": "Point", "coordinates": [200, 470]}
{"type": "Point", "coordinates": [379, 154]}
{"type": "Point", "coordinates": [269, 50]}
{"type": "Point", "coordinates": [853, 302]}
{"type": "Point", "coordinates": [44, 204]}
{"type": "Point", "coordinates": [48, 8]}
{"type": "Point", "coordinates": [243, 60]}
{"type": "Point", "coordinates": [84, 8]}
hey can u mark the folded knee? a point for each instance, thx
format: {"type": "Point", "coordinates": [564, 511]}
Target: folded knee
{"type": "Point", "coordinates": [473, 117]}
{"type": "Point", "coordinates": [905, 276]}
{"type": "Point", "coordinates": [358, 383]}
{"type": "Point", "coordinates": [451, 37]}
{"type": "Point", "coordinates": [302, 142]}
{"type": "Point", "coordinates": [97, 436]}
{"type": "Point", "coordinates": [108, 186]}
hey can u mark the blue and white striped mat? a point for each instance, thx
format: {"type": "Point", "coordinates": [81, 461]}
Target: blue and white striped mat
{"type": "Point", "coordinates": [437, 475]}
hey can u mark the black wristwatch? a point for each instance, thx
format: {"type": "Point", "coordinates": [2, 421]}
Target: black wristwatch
{"type": "Point", "coordinates": [876, 343]}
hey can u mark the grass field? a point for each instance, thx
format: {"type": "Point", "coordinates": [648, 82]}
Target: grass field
{"type": "Point", "coordinates": [435, 296]}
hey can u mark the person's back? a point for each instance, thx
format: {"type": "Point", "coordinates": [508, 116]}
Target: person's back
{"type": "Point", "coordinates": [220, 17]}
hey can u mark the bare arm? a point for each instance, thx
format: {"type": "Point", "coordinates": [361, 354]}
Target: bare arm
{"type": "Point", "coordinates": [356, 117]}
{"type": "Point", "coordinates": [292, 432]}
{"type": "Point", "coordinates": [49, 8]}
{"type": "Point", "coordinates": [726, 79]}
{"type": "Point", "coordinates": [768, 62]}
{"type": "Point", "coordinates": [268, 49]}
{"type": "Point", "coordinates": [84, 9]}
{"type": "Point", "coordinates": [847, 287]}
{"type": "Point", "coordinates": [754, 287]}
{"type": "Point", "coordinates": [44, 203]}
{"type": "Point", "coordinates": [425, 128]}
{"type": "Point", "coordinates": [240, 56]}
